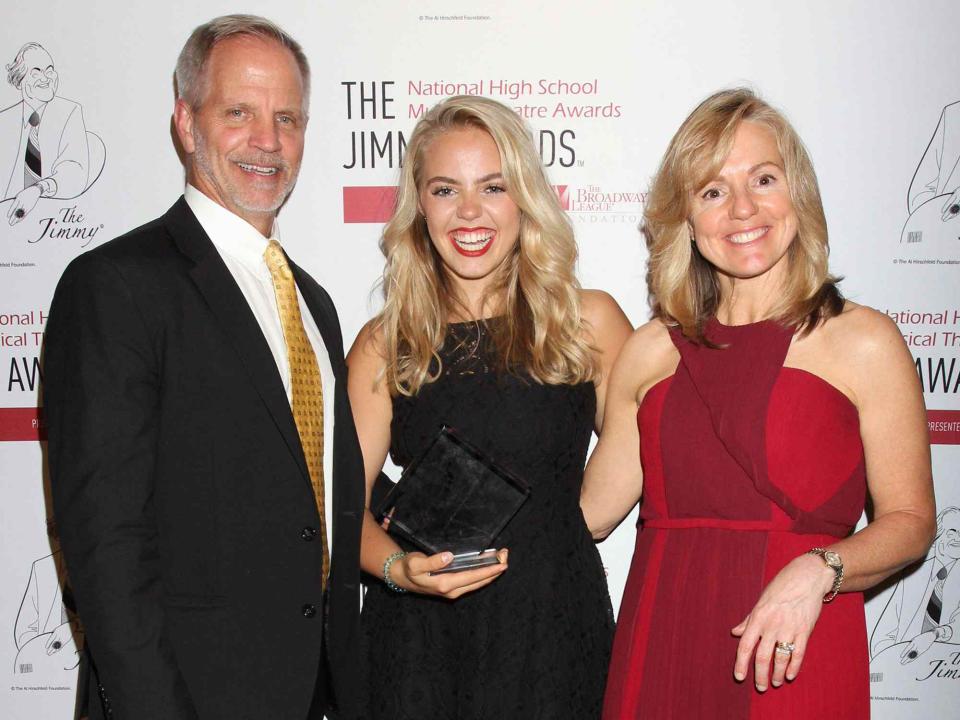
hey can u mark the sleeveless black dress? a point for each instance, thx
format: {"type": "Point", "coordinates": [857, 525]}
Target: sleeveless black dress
{"type": "Point", "coordinates": [536, 642]}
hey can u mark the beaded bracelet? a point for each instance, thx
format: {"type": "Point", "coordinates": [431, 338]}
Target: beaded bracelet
{"type": "Point", "coordinates": [386, 571]}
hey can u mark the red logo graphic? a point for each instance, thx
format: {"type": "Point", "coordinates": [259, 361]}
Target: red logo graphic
{"type": "Point", "coordinates": [22, 424]}
{"type": "Point", "coordinates": [368, 204]}
{"type": "Point", "coordinates": [944, 427]}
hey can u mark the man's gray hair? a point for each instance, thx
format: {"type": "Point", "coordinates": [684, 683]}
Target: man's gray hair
{"type": "Point", "coordinates": [17, 70]}
{"type": "Point", "coordinates": [190, 84]}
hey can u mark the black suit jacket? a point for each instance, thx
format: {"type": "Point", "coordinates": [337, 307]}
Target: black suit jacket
{"type": "Point", "coordinates": [181, 491]}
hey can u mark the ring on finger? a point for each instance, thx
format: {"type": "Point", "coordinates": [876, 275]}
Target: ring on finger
{"type": "Point", "coordinates": [785, 648]}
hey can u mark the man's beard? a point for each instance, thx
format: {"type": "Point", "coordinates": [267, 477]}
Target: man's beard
{"type": "Point", "coordinates": [234, 194]}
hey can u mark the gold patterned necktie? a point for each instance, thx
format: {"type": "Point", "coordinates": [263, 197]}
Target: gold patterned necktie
{"type": "Point", "coordinates": [304, 379]}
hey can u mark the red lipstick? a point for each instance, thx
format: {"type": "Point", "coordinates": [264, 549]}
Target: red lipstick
{"type": "Point", "coordinates": [466, 248]}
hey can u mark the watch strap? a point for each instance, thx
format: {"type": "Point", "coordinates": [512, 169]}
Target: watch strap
{"type": "Point", "coordinates": [837, 570]}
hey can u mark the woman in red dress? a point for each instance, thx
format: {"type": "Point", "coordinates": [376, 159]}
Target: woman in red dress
{"type": "Point", "coordinates": [765, 408]}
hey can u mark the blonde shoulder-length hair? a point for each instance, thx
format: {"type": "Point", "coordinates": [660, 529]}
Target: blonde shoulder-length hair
{"type": "Point", "coordinates": [684, 287]}
{"type": "Point", "coordinates": [535, 290]}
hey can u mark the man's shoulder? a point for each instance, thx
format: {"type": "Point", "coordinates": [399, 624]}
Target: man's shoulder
{"type": "Point", "coordinates": [145, 251]}
{"type": "Point", "coordinates": [10, 119]}
{"type": "Point", "coordinates": [59, 110]}
{"type": "Point", "coordinates": [142, 242]}
{"type": "Point", "coordinates": [16, 108]}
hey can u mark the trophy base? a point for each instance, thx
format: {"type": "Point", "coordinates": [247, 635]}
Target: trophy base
{"type": "Point", "coordinates": [469, 561]}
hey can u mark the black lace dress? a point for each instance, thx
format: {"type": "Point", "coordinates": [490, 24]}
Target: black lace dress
{"type": "Point", "coordinates": [536, 642]}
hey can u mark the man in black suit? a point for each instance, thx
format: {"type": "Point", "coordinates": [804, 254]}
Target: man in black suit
{"type": "Point", "coordinates": [203, 456]}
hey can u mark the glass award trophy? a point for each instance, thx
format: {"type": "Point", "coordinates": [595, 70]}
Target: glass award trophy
{"type": "Point", "coordinates": [453, 498]}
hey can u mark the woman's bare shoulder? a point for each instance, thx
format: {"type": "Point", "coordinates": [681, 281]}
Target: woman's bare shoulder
{"type": "Point", "coordinates": [648, 356]}
{"type": "Point", "coordinates": [600, 310]}
{"type": "Point", "coordinates": [367, 351]}
{"type": "Point", "coordinates": [861, 332]}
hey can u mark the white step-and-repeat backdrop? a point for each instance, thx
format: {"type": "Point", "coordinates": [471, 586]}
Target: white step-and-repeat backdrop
{"type": "Point", "coordinates": [873, 88]}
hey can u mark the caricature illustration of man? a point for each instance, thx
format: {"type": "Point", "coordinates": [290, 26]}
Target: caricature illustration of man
{"type": "Point", "coordinates": [50, 153]}
{"type": "Point", "coordinates": [938, 173]}
{"type": "Point", "coordinates": [925, 606]}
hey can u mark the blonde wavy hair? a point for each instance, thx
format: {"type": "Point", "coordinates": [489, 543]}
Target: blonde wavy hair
{"type": "Point", "coordinates": [684, 287]}
{"type": "Point", "coordinates": [535, 290]}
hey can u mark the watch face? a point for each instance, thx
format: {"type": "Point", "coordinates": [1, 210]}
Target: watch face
{"type": "Point", "coordinates": [832, 559]}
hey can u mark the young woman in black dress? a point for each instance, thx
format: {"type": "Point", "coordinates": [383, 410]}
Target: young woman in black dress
{"type": "Point", "coordinates": [485, 329]}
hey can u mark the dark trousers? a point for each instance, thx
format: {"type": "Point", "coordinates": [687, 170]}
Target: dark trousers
{"type": "Point", "coordinates": [90, 703]}
{"type": "Point", "coordinates": [320, 691]}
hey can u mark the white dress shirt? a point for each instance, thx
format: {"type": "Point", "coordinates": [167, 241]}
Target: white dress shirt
{"type": "Point", "coordinates": [242, 246]}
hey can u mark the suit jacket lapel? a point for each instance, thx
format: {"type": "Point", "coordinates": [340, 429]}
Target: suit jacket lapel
{"type": "Point", "coordinates": [347, 478]}
{"type": "Point", "coordinates": [228, 304]}
{"type": "Point", "coordinates": [326, 324]}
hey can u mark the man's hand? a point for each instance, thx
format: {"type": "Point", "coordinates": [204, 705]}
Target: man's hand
{"type": "Point", "coordinates": [23, 203]}
{"type": "Point", "coordinates": [917, 647]}
{"type": "Point", "coordinates": [951, 208]}
{"type": "Point", "coordinates": [61, 638]}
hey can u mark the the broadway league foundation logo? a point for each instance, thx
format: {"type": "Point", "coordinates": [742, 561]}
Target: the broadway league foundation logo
{"type": "Point", "coordinates": [601, 204]}
{"type": "Point", "coordinates": [45, 148]}
{"type": "Point", "coordinates": [599, 199]}
{"type": "Point", "coordinates": [933, 229]}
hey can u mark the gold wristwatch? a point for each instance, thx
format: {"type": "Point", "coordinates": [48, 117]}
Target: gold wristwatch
{"type": "Point", "coordinates": [833, 562]}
